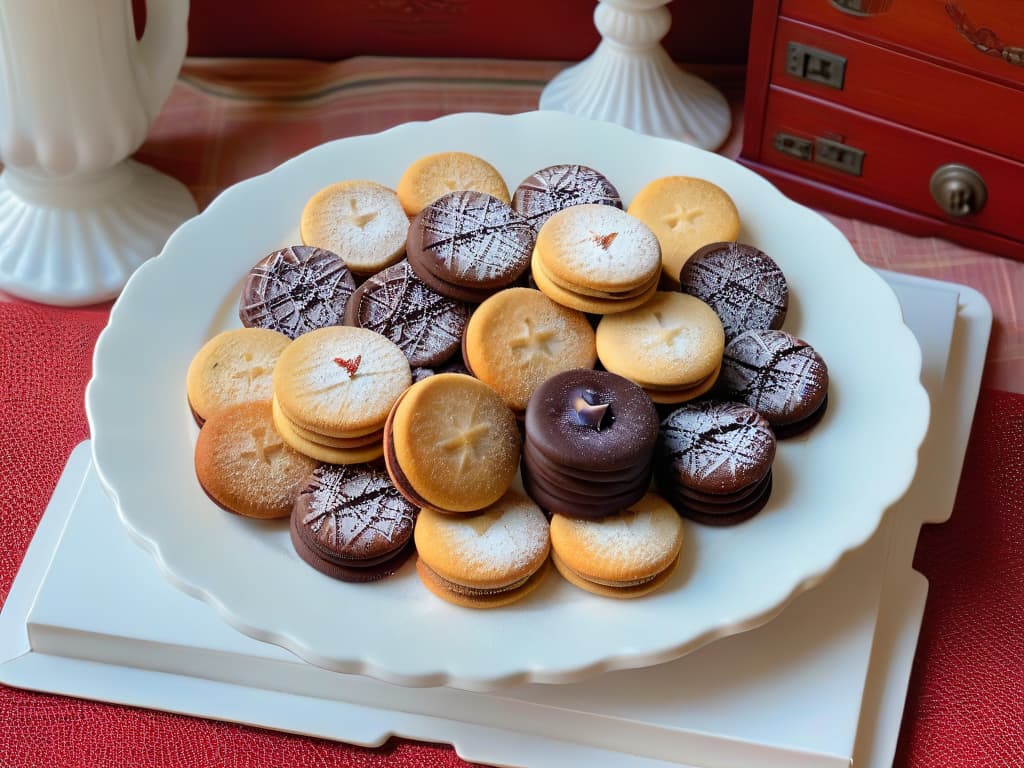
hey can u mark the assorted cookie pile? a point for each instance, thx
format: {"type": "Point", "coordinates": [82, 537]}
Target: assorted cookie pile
{"type": "Point", "coordinates": [426, 345]}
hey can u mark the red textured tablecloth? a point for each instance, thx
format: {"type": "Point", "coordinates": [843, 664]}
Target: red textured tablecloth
{"type": "Point", "coordinates": [227, 121]}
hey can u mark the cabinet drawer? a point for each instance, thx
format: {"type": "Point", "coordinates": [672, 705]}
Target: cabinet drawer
{"type": "Point", "coordinates": [982, 36]}
{"type": "Point", "coordinates": [899, 87]}
{"type": "Point", "coordinates": [897, 163]}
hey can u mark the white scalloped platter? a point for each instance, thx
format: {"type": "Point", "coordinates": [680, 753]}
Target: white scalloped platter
{"type": "Point", "coordinates": [831, 486]}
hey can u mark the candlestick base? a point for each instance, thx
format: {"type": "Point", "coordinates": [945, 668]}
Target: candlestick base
{"type": "Point", "coordinates": [76, 241]}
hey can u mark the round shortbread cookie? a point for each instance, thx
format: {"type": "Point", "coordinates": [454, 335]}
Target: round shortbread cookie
{"type": "Point", "coordinates": [295, 290]}
{"type": "Point", "coordinates": [673, 342]}
{"type": "Point", "coordinates": [243, 464]}
{"type": "Point", "coordinates": [628, 554]}
{"type": "Point", "coordinates": [519, 337]}
{"type": "Point", "coordinates": [481, 560]}
{"type": "Point", "coordinates": [677, 396]}
{"type": "Point", "coordinates": [361, 221]}
{"type": "Point", "coordinates": [598, 247]}
{"type": "Point", "coordinates": [340, 381]}
{"type": "Point", "coordinates": [590, 304]}
{"type": "Point", "coordinates": [326, 440]}
{"type": "Point", "coordinates": [453, 443]}
{"type": "Point", "coordinates": [324, 451]}
{"type": "Point", "coordinates": [431, 176]}
{"type": "Point", "coordinates": [552, 189]}
{"type": "Point", "coordinates": [233, 367]}
{"type": "Point", "coordinates": [685, 213]}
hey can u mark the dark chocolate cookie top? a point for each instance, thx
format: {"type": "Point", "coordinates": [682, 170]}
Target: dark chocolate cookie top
{"type": "Point", "coordinates": [593, 420]}
{"type": "Point", "coordinates": [295, 290]}
{"type": "Point", "coordinates": [352, 513]}
{"type": "Point", "coordinates": [714, 447]}
{"type": "Point", "coordinates": [399, 306]}
{"type": "Point", "coordinates": [775, 373]}
{"type": "Point", "coordinates": [744, 286]}
{"type": "Point", "coordinates": [551, 189]}
{"type": "Point", "coordinates": [471, 239]}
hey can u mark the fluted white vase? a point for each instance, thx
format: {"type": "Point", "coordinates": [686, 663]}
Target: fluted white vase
{"type": "Point", "coordinates": [78, 94]}
{"type": "Point", "coordinates": [631, 80]}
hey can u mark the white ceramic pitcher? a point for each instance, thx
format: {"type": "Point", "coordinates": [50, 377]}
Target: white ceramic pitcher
{"type": "Point", "coordinates": [78, 94]}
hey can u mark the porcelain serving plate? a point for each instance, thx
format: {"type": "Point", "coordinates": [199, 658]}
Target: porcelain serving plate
{"type": "Point", "coordinates": [831, 486]}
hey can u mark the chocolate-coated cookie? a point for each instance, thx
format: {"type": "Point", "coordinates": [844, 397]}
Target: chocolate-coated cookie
{"type": "Point", "coordinates": [551, 189]}
{"type": "Point", "coordinates": [780, 376]}
{"type": "Point", "coordinates": [399, 306]}
{"type": "Point", "coordinates": [351, 523]}
{"type": "Point", "coordinates": [470, 241]}
{"type": "Point", "coordinates": [744, 286]}
{"type": "Point", "coordinates": [294, 290]}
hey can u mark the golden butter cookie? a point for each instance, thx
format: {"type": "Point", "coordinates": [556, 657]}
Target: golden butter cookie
{"type": "Point", "coordinates": [593, 305]}
{"type": "Point", "coordinates": [431, 176]}
{"type": "Point", "coordinates": [324, 451]}
{"type": "Point", "coordinates": [677, 396]}
{"type": "Point", "coordinates": [518, 338]}
{"type": "Point", "coordinates": [485, 560]}
{"type": "Point", "coordinates": [685, 213]}
{"type": "Point", "coordinates": [598, 249]}
{"type": "Point", "coordinates": [673, 342]}
{"type": "Point", "coordinates": [628, 554]}
{"type": "Point", "coordinates": [233, 367]}
{"type": "Point", "coordinates": [244, 466]}
{"type": "Point", "coordinates": [361, 221]}
{"type": "Point", "coordinates": [340, 381]}
{"type": "Point", "coordinates": [451, 444]}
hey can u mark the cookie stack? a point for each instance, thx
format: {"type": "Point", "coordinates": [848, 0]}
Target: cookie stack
{"type": "Point", "coordinates": [589, 444]}
{"type": "Point", "coordinates": [714, 461]}
{"type": "Point", "coordinates": [557, 187]}
{"type": "Point", "coordinates": [597, 259]}
{"type": "Point", "coordinates": [333, 389]}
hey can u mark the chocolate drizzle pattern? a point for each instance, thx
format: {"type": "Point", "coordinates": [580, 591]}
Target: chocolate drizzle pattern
{"type": "Point", "coordinates": [551, 189]}
{"type": "Point", "coordinates": [775, 373]}
{"type": "Point", "coordinates": [295, 290]}
{"type": "Point", "coordinates": [474, 237]}
{"type": "Point", "coordinates": [744, 286]}
{"type": "Point", "coordinates": [395, 303]}
{"type": "Point", "coordinates": [717, 446]}
{"type": "Point", "coordinates": [349, 508]}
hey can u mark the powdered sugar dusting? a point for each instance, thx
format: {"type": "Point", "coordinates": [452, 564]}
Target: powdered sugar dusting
{"type": "Point", "coordinates": [557, 187]}
{"type": "Point", "coordinates": [581, 240]}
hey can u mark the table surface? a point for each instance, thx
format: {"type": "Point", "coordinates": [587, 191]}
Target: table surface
{"type": "Point", "coordinates": [227, 120]}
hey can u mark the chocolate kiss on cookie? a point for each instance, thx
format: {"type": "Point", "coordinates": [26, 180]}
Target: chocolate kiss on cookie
{"type": "Point", "coordinates": [780, 376]}
{"type": "Point", "coordinates": [295, 290]}
{"type": "Point", "coordinates": [468, 245]}
{"type": "Point", "coordinates": [350, 523]}
{"type": "Point", "coordinates": [714, 459]}
{"type": "Point", "coordinates": [744, 286]}
{"type": "Point", "coordinates": [590, 426]}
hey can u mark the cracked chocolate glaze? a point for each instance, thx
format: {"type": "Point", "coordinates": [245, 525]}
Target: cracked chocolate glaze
{"type": "Point", "coordinates": [295, 290]}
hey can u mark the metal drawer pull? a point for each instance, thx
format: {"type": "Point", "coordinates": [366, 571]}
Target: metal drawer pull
{"type": "Point", "coordinates": [815, 65]}
{"type": "Point", "coordinates": [959, 190]}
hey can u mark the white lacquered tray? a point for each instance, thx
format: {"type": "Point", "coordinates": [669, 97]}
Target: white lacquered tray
{"type": "Point", "coordinates": [821, 685]}
{"type": "Point", "coordinates": [729, 579]}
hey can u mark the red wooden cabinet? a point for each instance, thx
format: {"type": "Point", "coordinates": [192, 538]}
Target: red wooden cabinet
{"type": "Point", "coordinates": [905, 112]}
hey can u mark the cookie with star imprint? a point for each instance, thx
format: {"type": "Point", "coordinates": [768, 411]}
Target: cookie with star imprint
{"type": "Point", "coordinates": [233, 367]}
{"type": "Point", "coordinates": [629, 554]}
{"type": "Point", "coordinates": [361, 221]}
{"type": "Point", "coordinates": [671, 346]}
{"type": "Point", "coordinates": [451, 444]}
{"type": "Point", "coordinates": [556, 187]}
{"type": "Point", "coordinates": [295, 290]}
{"type": "Point", "coordinates": [395, 303]}
{"type": "Point", "coordinates": [468, 245]}
{"type": "Point", "coordinates": [714, 461]}
{"type": "Point", "coordinates": [744, 286]}
{"type": "Point", "coordinates": [432, 176]}
{"type": "Point", "coordinates": [518, 338]}
{"type": "Point", "coordinates": [780, 376]}
{"type": "Point", "coordinates": [350, 523]}
{"type": "Point", "coordinates": [685, 213]}
{"type": "Point", "coordinates": [244, 466]}
{"type": "Point", "coordinates": [488, 559]}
